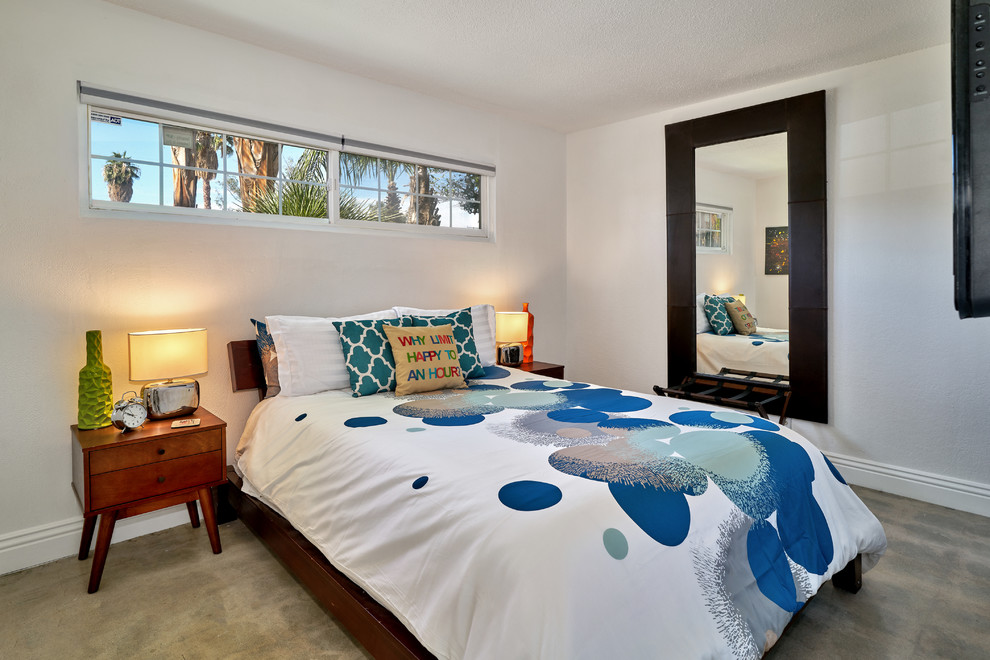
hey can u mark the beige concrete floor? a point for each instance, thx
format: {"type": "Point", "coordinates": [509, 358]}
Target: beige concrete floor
{"type": "Point", "coordinates": [165, 595]}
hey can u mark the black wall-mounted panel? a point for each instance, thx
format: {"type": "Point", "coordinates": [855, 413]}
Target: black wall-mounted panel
{"type": "Point", "coordinates": [971, 154]}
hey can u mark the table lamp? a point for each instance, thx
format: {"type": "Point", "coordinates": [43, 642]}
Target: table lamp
{"type": "Point", "coordinates": [167, 357]}
{"type": "Point", "coordinates": [511, 329]}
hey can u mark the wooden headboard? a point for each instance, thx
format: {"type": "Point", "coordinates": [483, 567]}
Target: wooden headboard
{"type": "Point", "coordinates": [246, 371]}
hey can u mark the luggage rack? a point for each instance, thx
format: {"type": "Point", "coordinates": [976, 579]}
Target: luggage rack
{"type": "Point", "coordinates": [749, 390]}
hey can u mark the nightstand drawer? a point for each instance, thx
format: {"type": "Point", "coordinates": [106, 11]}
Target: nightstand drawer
{"type": "Point", "coordinates": [153, 451]}
{"type": "Point", "coordinates": [123, 486]}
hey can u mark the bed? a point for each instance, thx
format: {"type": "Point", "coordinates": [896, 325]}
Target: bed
{"type": "Point", "coordinates": [766, 351]}
{"type": "Point", "coordinates": [528, 517]}
{"type": "Point", "coordinates": [731, 338]}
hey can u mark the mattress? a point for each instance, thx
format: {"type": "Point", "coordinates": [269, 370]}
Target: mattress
{"type": "Point", "coordinates": [523, 517]}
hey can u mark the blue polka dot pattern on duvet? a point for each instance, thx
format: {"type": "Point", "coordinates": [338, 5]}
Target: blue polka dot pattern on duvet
{"type": "Point", "coordinates": [548, 385]}
{"type": "Point", "coordinates": [577, 415]}
{"type": "Point", "coordinates": [358, 422]}
{"type": "Point", "coordinates": [493, 371]}
{"type": "Point", "coordinates": [721, 420]}
{"type": "Point", "coordinates": [615, 543]}
{"type": "Point", "coordinates": [529, 495]}
{"type": "Point", "coordinates": [652, 465]}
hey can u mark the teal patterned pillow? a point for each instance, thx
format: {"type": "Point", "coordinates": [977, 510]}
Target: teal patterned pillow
{"type": "Point", "coordinates": [467, 350]}
{"type": "Point", "coordinates": [269, 360]}
{"type": "Point", "coordinates": [368, 355]}
{"type": "Point", "coordinates": [717, 316]}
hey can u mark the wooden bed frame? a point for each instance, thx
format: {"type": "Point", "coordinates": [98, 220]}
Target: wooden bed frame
{"type": "Point", "coordinates": [373, 626]}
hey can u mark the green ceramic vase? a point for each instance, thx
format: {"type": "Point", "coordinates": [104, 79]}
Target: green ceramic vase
{"type": "Point", "coordinates": [95, 386]}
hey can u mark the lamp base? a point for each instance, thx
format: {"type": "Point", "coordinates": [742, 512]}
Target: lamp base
{"type": "Point", "coordinates": [510, 355]}
{"type": "Point", "coordinates": [171, 398]}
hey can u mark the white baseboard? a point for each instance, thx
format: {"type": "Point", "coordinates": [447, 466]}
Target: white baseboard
{"type": "Point", "coordinates": [44, 543]}
{"type": "Point", "coordinates": [944, 491]}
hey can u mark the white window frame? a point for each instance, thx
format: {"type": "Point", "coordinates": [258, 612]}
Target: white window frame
{"type": "Point", "coordinates": [725, 233]}
{"type": "Point", "coordinates": [165, 113]}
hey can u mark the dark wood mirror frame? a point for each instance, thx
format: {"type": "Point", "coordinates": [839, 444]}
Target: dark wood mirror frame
{"type": "Point", "coordinates": [803, 119]}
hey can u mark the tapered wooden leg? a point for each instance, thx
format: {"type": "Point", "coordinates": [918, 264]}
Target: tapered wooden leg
{"type": "Point", "coordinates": [89, 525]}
{"type": "Point", "coordinates": [193, 513]}
{"type": "Point", "coordinates": [107, 521]}
{"type": "Point", "coordinates": [209, 516]}
{"type": "Point", "coordinates": [850, 578]}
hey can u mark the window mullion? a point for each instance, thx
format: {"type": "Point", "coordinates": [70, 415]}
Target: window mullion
{"type": "Point", "coordinates": [161, 164]}
{"type": "Point", "coordinates": [334, 186]}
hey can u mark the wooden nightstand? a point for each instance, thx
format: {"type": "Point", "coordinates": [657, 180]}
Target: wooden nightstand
{"type": "Point", "coordinates": [543, 369]}
{"type": "Point", "coordinates": [117, 475]}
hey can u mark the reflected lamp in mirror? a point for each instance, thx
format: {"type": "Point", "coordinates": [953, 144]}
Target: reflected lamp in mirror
{"type": "Point", "coordinates": [168, 357]}
{"type": "Point", "coordinates": [511, 329]}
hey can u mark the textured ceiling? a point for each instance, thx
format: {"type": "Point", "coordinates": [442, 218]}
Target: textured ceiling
{"type": "Point", "coordinates": [572, 64]}
{"type": "Point", "coordinates": [756, 158]}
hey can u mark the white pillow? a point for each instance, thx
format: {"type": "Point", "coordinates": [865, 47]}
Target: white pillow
{"type": "Point", "coordinates": [310, 358]}
{"type": "Point", "coordinates": [482, 321]}
{"type": "Point", "coordinates": [700, 316]}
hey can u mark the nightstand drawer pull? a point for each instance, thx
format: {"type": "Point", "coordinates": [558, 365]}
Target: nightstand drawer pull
{"type": "Point", "coordinates": [161, 451]}
{"type": "Point", "coordinates": [161, 480]}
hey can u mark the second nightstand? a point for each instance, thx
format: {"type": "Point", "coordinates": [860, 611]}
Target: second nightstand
{"type": "Point", "coordinates": [543, 369]}
{"type": "Point", "coordinates": [117, 475]}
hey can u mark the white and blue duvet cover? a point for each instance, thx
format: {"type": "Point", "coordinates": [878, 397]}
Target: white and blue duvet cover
{"type": "Point", "coordinates": [532, 518]}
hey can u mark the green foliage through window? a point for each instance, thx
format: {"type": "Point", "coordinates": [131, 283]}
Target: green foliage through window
{"type": "Point", "coordinates": [140, 161]}
{"type": "Point", "coordinates": [382, 190]}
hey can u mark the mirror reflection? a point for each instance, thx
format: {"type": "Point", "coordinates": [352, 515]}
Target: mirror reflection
{"type": "Point", "coordinates": [742, 267]}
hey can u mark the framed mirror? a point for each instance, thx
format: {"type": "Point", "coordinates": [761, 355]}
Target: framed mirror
{"type": "Point", "coordinates": [802, 118]}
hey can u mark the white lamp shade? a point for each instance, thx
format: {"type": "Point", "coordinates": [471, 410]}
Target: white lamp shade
{"type": "Point", "coordinates": [511, 327]}
{"type": "Point", "coordinates": [164, 354]}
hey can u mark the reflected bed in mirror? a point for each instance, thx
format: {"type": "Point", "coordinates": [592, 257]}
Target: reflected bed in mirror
{"type": "Point", "coordinates": [802, 120]}
{"type": "Point", "coordinates": [740, 246]}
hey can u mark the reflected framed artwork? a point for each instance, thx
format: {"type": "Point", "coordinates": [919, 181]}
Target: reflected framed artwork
{"type": "Point", "coordinates": [778, 260]}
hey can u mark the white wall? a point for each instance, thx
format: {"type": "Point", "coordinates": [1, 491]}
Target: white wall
{"type": "Point", "coordinates": [908, 378]}
{"type": "Point", "coordinates": [63, 274]}
{"type": "Point", "coordinates": [734, 272]}
{"type": "Point", "coordinates": [772, 299]}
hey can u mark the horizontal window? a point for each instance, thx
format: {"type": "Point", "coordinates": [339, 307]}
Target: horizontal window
{"type": "Point", "coordinates": [166, 166]}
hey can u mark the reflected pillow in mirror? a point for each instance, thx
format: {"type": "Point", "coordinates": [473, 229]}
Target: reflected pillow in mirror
{"type": "Point", "coordinates": [717, 316]}
{"type": "Point", "coordinates": [701, 321]}
{"type": "Point", "coordinates": [742, 320]}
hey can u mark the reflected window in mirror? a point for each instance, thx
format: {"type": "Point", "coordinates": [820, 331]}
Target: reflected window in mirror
{"type": "Point", "coordinates": [713, 229]}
